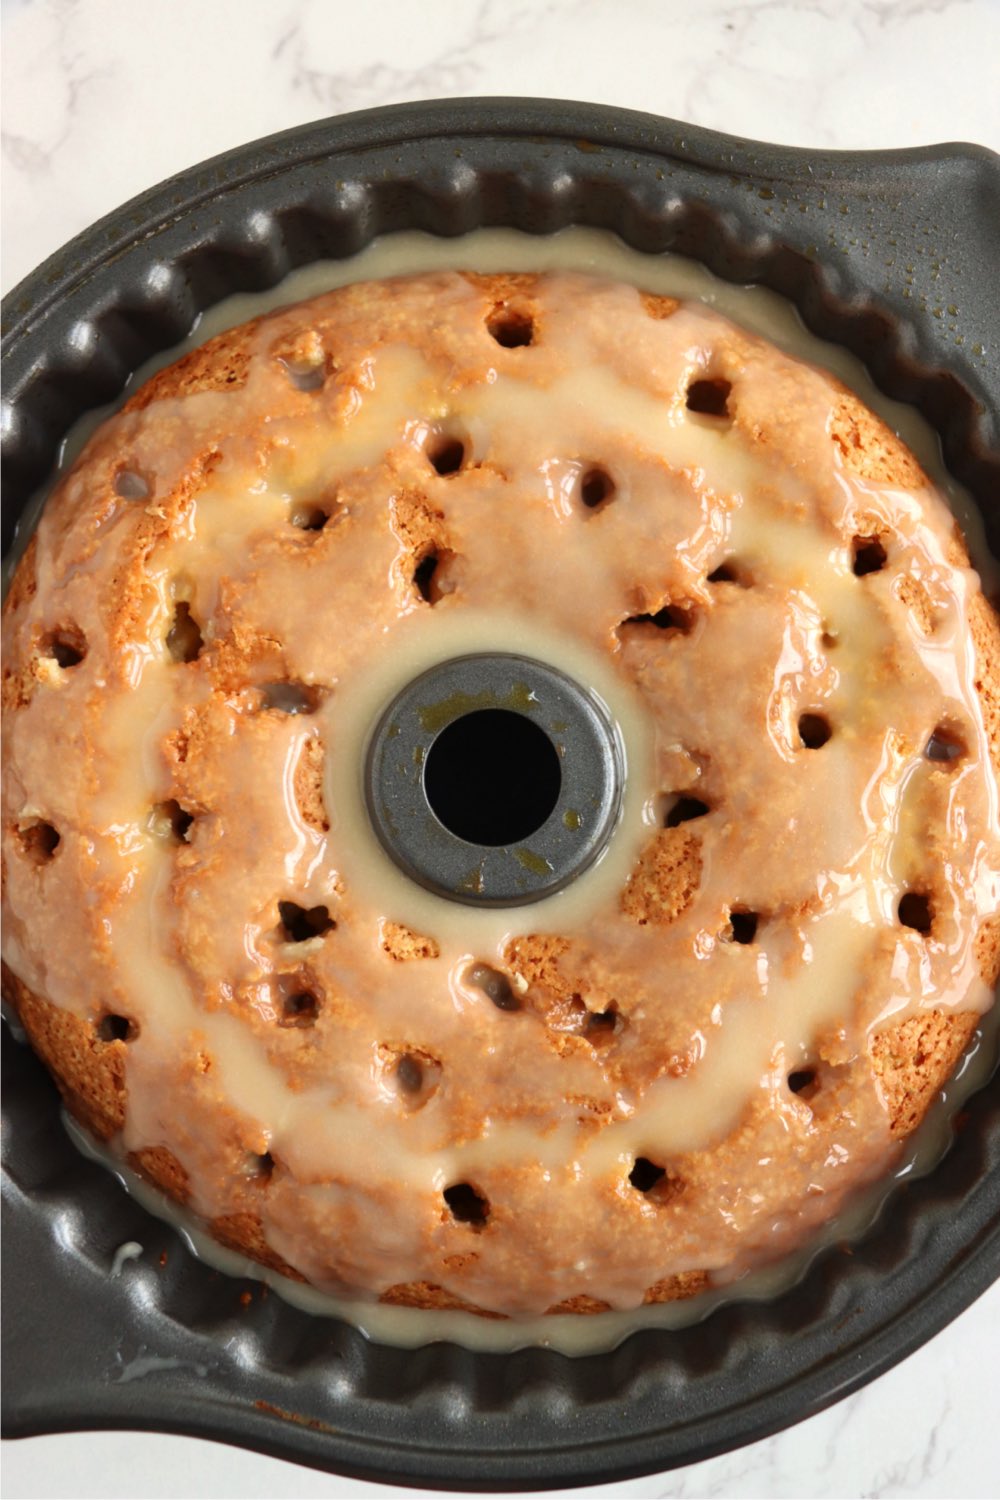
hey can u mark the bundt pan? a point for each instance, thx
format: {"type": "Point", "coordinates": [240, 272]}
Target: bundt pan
{"type": "Point", "coordinates": [893, 255]}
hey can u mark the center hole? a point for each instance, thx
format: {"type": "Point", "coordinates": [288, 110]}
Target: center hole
{"type": "Point", "coordinates": [492, 777]}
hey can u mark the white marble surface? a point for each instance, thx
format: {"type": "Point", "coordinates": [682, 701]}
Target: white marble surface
{"type": "Point", "coordinates": [102, 98]}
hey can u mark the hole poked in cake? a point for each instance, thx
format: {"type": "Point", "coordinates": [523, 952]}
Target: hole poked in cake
{"type": "Point", "coordinates": [741, 926]}
{"type": "Point", "coordinates": [709, 397]}
{"type": "Point", "coordinates": [601, 1026]}
{"type": "Point", "coordinates": [303, 360]}
{"type": "Point", "coordinates": [467, 1205]}
{"type": "Point", "coordinates": [116, 1028]}
{"type": "Point", "coordinates": [447, 453]}
{"type": "Point", "coordinates": [428, 575]}
{"type": "Point", "coordinates": [815, 730]}
{"type": "Point", "coordinates": [37, 839]}
{"type": "Point", "coordinates": [300, 1001]}
{"type": "Point", "coordinates": [868, 555]}
{"type": "Point", "coordinates": [290, 697]}
{"type": "Point", "coordinates": [129, 484]}
{"type": "Point", "coordinates": [946, 746]}
{"type": "Point", "coordinates": [411, 1075]}
{"type": "Point", "coordinates": [645, 1174]}
{"type": "Point", "coordinates": [511, 327]}
{"type": "Point", "coordinates": [494, 984]}
{"type": "Point", "coordinates": [731, 571]}
{"type": "Point", "coordinates": [259, 1166]}
{"type": "Point", "coordinates": [184, 639]}
{"type": "Point", "coordinates": [681, 807]}
{"type": "Point", "coordinates": [169, 821]}
{"type": "Point", "coordinates": [299, 924]}
{"type": "Point", "coordinates": [804, 1082]}
{"type": "Point", "coordinates": [654, 1181]}
{"type": "Point", "coordinates": [916, 911]}
{"type": "Point", "coordinates": [572, 1014]}
{"type": "Point", "coordinates": [597, 488]}
{"type": "Point", "coordinates": [310, 517]}
{"type": "Point", "coordinates": [305, 377]}
{"type": "Point", "coordinates": [66, 646]}
{"type": "Point", "coordinates": [423, 575]}
{"type": "Point", "coordinates": [306, 370]}
{"type": "Point", "coordinates": [675, 618]}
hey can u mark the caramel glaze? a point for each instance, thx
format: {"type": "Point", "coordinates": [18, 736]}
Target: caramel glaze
{"type": "Point", "coordinates": [729, 1025]}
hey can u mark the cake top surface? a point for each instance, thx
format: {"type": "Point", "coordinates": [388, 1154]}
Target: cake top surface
{"type": "Point", "coordinates": [674, 1069]}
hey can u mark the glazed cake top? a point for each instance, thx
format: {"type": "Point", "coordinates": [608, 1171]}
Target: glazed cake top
{"type": "Point", "coordinates": [681, 1066]}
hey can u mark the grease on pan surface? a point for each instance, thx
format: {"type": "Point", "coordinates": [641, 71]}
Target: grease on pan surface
{"type": "Point", "coordinates": [650, 1089]}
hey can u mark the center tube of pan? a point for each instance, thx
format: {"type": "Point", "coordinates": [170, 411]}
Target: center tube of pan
{"type": "Point", "coordinates": [494, 779]}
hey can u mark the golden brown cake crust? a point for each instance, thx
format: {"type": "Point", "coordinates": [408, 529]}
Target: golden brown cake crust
{"type": "Point", "coordinates": [912, 1058]}
{"type": "Point", "coordinates": [243, 1232]}
{"type": "Point", "coordinates": [90, 1072]}
{"type": "Point", "coordinates": [159, 1165]}
{"type": "Point", "coordinates": [666, 879]}
{"type": "Point", "coordinates": [307, 1070]}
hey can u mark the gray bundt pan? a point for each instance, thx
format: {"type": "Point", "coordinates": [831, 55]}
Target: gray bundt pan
{"type": "Point", "coordinates": [895, 255]}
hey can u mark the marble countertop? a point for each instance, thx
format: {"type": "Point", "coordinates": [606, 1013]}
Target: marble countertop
{"type": "Point", "coordinates": [103, 98]}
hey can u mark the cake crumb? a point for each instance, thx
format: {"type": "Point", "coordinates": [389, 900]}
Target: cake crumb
{"type": "Point", "coordinates": [911, 1060]}
{"type": "Point", "coordinates": [403, 944]}
{"type": "Point", "coordinates": [665, 881]}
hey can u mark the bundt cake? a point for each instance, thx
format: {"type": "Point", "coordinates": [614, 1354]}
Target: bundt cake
{"type": "Point", "coordinates": [650, 1083]}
